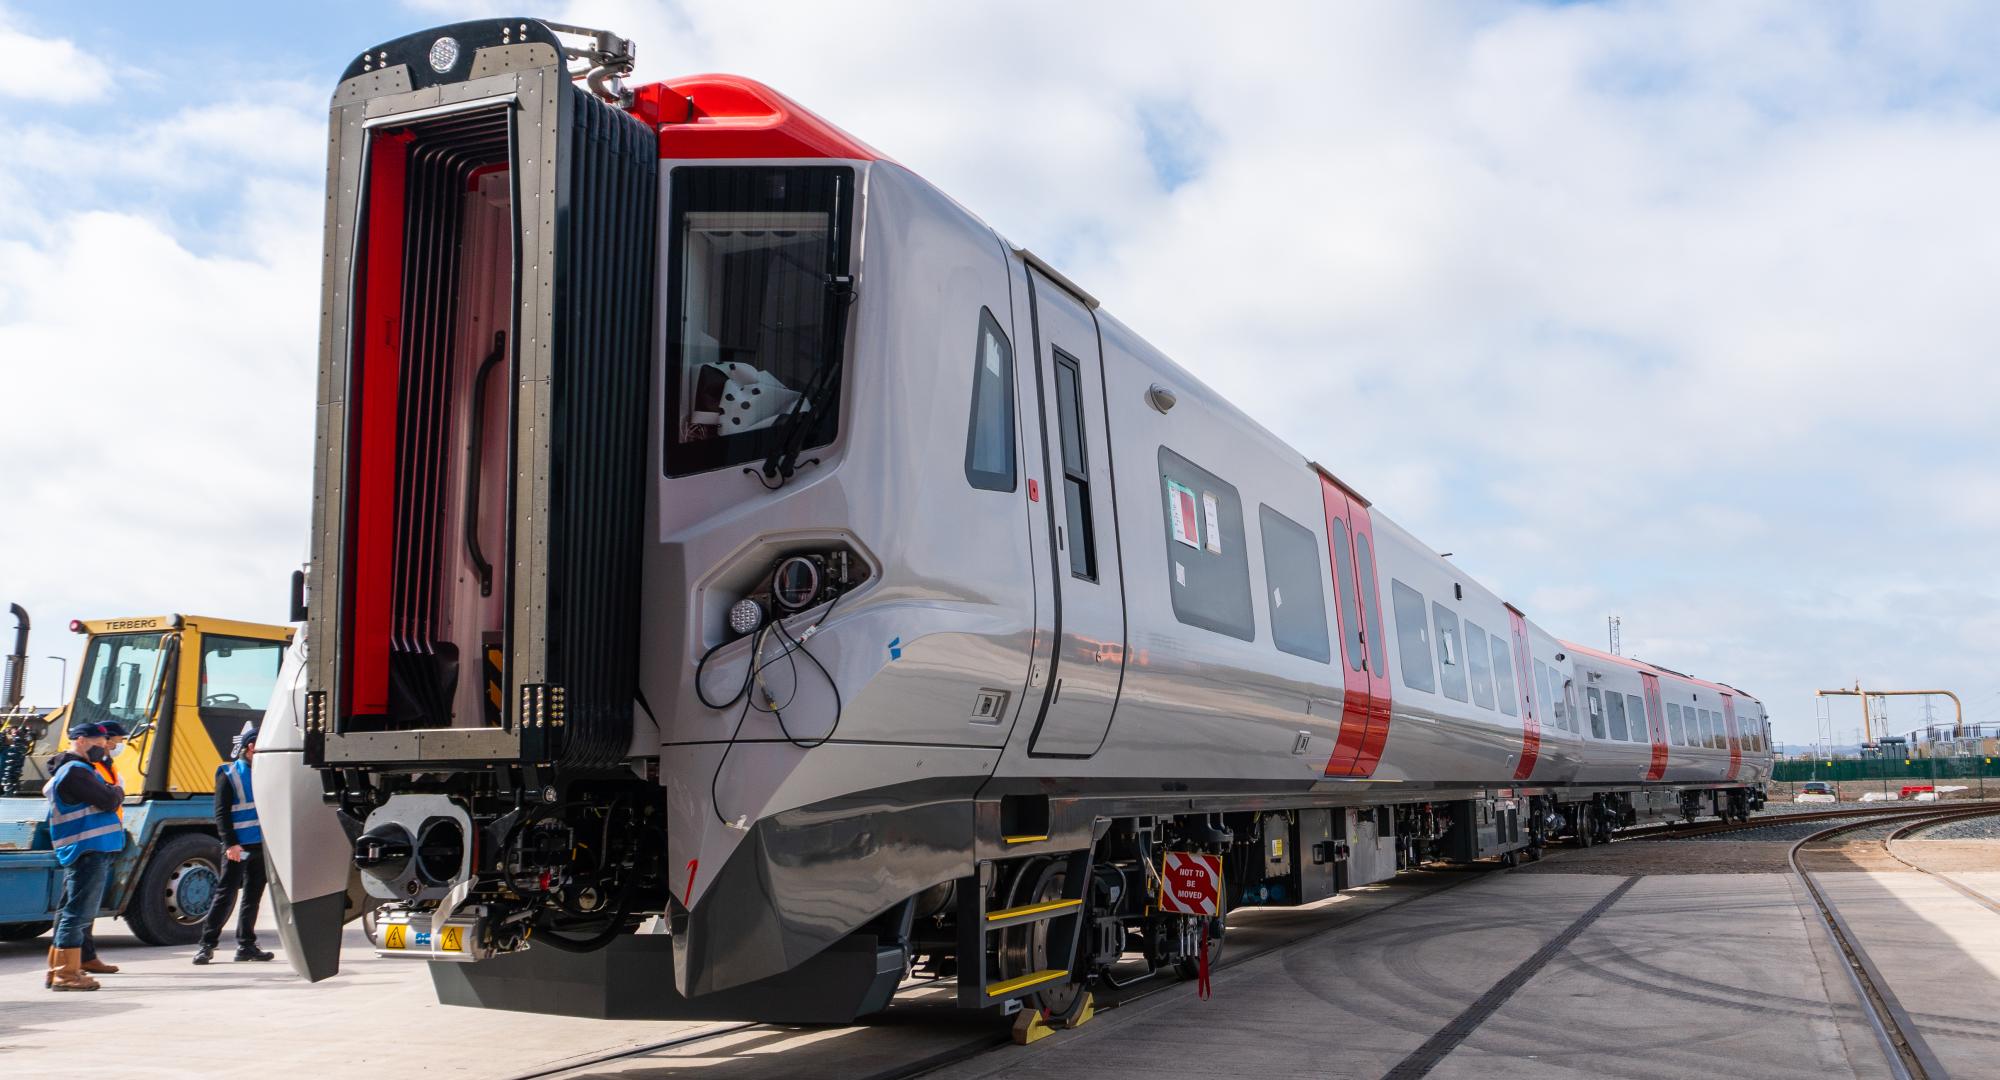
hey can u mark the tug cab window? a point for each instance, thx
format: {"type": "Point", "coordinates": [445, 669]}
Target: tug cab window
{"type": "Point", "coordinates": [756, 294]}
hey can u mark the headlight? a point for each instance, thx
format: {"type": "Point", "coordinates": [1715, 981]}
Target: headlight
{"type": "Point", "coordinates": [795, 584]}
{"type": "Point", "coordinates": [745, 616]}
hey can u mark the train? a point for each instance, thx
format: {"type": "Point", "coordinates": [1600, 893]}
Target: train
{"type": "Point", "coordinates": [741, 578]}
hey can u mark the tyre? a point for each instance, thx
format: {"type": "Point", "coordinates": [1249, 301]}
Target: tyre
{"type": "Point", "coordinates": [176, 890]}
{"type": "Point", "coordinates": [23, 931]}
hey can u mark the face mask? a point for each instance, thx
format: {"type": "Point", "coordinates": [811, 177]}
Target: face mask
{"type": "Point", "coordinates": [118, 750]}
{"type": "Point", "coordinates": [95, 753]}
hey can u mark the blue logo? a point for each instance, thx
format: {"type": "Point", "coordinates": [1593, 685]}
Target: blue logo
{"type": "Point", "coordinates": [895, 648]}
{"type": "Point", "coordinates": [423, 939]}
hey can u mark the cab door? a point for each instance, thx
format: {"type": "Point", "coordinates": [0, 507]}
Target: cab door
{"type": "Point", "coordinates": [1089, 662]}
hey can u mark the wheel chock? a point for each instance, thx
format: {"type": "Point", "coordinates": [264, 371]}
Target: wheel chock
{"type": "Point", "coordinates": [1030, 1026]}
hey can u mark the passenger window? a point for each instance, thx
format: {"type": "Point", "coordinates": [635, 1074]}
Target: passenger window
{"type": "Point", "coordinates": [989, 437]}
{"type": "Point", "coordinates": [1675, 733]}
{"type": "Point", "coordinates": [1076, 473]}
{"type": "Point", "coordinates": [1451, 667]}
{"type": "Point", "coordinates": [1343, 587]}
{"type": "Point", "coordinates": [1542, 694]}
{"type": "Point", "coordinates": [1413, 638]}
{"type": "Point", "coordinates": [1292, 576]}
{"type": "Point", "coordinates": [1364, 567]}
{"type": "Point", "coordinates": [1479, 665]}
{"type": "Point", "coordinates": [1614, 716]}
{"type": "Point", "coordinates": [1596, 702]}
{"type": "Point", "coordinates": [1707, 729]}
{"type": "Point", "coordinates": [1635, 707]}
{"type": "Point", "coordinates": [1503, 676]}
{"type": "Point", "coordinates": [1208, 569]}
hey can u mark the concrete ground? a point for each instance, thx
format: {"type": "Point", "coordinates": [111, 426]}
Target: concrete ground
{"type": "Point", "coordinates": [1602, 962]}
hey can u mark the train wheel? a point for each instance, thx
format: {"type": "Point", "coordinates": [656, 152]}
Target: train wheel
{"type": "Point", "coordinates": [1026, 948]}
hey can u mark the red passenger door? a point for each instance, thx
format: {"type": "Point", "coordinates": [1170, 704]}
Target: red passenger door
{"type": "Point", "coordinates": [1656, 726]}
{"type": "Point", "coordinates": [1364, 707]}
{"type": "Point", "coordinates": [1729, 726]}
{"type": "Point", "coordinates": [1524, 679]}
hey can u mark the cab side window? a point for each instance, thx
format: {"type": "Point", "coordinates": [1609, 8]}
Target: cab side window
{"type": "Point", "coordinates": [989, 438]}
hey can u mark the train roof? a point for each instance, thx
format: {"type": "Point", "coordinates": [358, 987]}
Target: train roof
{"type": "Point", "coordinates": [1655, 669]}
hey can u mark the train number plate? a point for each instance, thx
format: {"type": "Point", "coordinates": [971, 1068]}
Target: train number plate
{"type": "Point", "coordinates": [1192, 884]}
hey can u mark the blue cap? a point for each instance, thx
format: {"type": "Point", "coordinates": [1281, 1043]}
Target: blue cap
{"type": "Point", "coordinates": [112, 729]}
{"type": "Point", "coordinates": [86, 729]}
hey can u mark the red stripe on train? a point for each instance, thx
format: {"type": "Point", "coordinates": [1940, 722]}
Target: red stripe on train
{"type": "Point", "coordinates": [1656, 725]}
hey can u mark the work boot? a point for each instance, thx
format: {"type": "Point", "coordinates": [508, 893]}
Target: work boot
{"type": "Point", "coordinates": [252, 952]}
{"type": "Point", "coordinates": [69, 972]}
{"type": "Point", "coordinates": [204, 954]}
{"type": "Point", "coordinates": [97, 966]}
{"type": "Point", "coordinates": [49, 979]}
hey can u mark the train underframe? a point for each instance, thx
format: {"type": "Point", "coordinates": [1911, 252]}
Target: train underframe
{"type": "Point", "coordinates": [539, 885]}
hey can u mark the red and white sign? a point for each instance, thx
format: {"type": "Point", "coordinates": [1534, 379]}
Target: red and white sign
{"type": "Point", "coordinates": [1192, 884]}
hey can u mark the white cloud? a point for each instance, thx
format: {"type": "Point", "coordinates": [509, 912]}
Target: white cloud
{"type": "Point", "coordinates": [1675, 312]}
{"type": "Point", "coordinates": [48, 68]}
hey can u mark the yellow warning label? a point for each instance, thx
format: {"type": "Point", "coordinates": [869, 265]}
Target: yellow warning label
{"type": "Point", "coordinates": [453, 939]}
{"type": "Point", "coordinates": [395, 936]}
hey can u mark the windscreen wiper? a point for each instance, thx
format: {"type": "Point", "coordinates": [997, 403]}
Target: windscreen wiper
{"type": "Point", "coordinates": [805, 414]}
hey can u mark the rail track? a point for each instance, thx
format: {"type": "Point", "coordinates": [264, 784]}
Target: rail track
{"type": "Point", "coordinates": [1674, 830]}
{"type": "Point", "coordinates": [1909, 1056]}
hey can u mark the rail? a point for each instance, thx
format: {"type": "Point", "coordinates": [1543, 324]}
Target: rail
{"type": "Point", "coordinates": [1909, 1056]}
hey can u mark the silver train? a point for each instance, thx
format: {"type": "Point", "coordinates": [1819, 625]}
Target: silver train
{"type": "Point", "coordinates": [741, 577]}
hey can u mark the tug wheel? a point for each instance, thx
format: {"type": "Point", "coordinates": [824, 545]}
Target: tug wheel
{"type": "Point", "coordinates": [176, 890]}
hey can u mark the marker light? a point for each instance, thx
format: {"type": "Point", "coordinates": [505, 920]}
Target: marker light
{"type": "Point", "coordinates": [745, 616]}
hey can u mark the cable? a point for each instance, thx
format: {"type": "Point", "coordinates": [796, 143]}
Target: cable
{"type": "Point", "coordinates": [752, 676]}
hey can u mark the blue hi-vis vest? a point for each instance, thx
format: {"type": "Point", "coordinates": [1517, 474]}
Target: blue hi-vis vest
{"type": "Point", "coordinates": [75, 828]}
{"type": "Point", "coordinates": [243, 815]}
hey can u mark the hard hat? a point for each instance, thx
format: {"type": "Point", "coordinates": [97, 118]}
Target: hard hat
{"type": "Point", "coordinates": [245, 738]}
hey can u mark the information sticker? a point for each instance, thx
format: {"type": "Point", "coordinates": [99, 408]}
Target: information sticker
{"type": "Point", "coordinates": [1212, 517]}
{"type": "Point", "coordinates": [1181, 514]}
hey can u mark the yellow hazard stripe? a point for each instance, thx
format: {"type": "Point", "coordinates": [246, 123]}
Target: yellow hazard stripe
{"type": "Point", "coordinates": [1033, 978]}
{"type": "Point", "coordinates": [1032, 909]}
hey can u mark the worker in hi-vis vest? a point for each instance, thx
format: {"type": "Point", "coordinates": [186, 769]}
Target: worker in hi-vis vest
{"type": "Point", "coordinates": [87, 833]}
{"type": "Point", "coordinates": [243, 849]}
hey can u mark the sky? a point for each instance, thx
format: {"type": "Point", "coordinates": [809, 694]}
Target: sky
{"type": "Point", "coordinates": [1681, 312]}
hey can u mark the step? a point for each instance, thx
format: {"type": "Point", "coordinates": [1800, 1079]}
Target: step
{"type": "Point", "coordinates": [1016, 985]}
{"type": "Point", "coordinates": [996, 920]}
{"type": "Point", "coordinates": [1023, 839]}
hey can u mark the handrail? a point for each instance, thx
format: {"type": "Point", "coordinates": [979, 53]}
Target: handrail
{"type": "Point", "coordinates": [473, 456]}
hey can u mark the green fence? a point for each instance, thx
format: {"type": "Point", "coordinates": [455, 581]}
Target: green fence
{"type": "Point", "coordinates": [1913, 769]}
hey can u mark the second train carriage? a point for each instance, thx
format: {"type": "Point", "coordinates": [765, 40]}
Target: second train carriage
{"type": "Point", "coordinates": [717, 529]}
